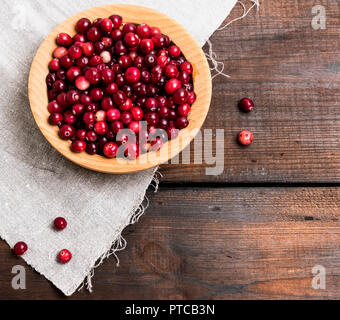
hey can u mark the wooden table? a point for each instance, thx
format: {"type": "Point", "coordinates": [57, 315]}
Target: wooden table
{"type": "Point", "coordinates": [257, 230]}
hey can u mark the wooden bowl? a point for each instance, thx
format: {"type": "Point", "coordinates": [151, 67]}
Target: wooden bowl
{"type": "Point", "coordinates": [37, 90]}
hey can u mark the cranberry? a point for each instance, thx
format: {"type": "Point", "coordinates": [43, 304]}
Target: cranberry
{"type": "Point", "coordinates": [108, 75]}
{"type": "Point", "coordinates": [151, 104]}
{"type": "Point", "coordinates": [184, 77]}
{"type": "Point", "coordinates": [106, 25]}
{"type": "Point", "coordinates": [64, 256]}
{"type": "Point", "coordinates": [56, 119]}
{"type": "Point", "coordinates": [78, 39]}
{"type": "Point", "coordinates": [92, 108]}
{"type": "Point", "coordinates": [88, 49]}
{"type": "Point", "coordinates": [120, 81]}
{"type": "Point", "coordinates": [150, 61]}
{"type": "Point", "coordinates": [172, 114]}
{"type": "Point", "coordinates": [93, 34]}
{"type": "Point", "coordinates": [106, 56]}
{"type": "Point", "coordinates": [127, 105]}
{"type": "Point", "coordinates": [191, 98]}
{"type": "Point", "coordinates": [110, 150]}
{"type": "Point", "coordinates": [112, 88]}
{"type": "Point", "coordinates": [187, 66]}
{"type": "Point", "coordinates": [129, 27]}
{"type": "Point", "coordinates": [117, 21]}
{"type": "Point", "coordinates": [89, 118]}
{"type": "Point", "coordinates": [60, 52]}
{"type": "Point", "coordinates": [120, 49]}
{"type": "Point", "coordinates": [171, 71]}
{"type": "Point", "coordinates": [181, 122]}
{"type": "Point", "coordinates": [158, 41]}
{"type": "Point", "coordinates": [184, 110]}
{"type": "Point", "coordinates": [73, 73]}
{"type": "Point", "coordinates": [132, 151]}
{"type": "Point", "coordinates": [138, 62]}
{"type": "Point", "coordinates": [69, 117]}
{"type": "Point", "coordinates": [101, 128]}
{"type": "Point", "coordinates": [174, 51]}
{"type": "Point", "coordinates": [246, 105]}
{"type": "Point", "coordinates": [131, 40]}
{"type": "Point", "coordinates": [83, 25]}
{"type": "Point", "coordinates": [135, 126]}
{"type": "Point", "coordinates": [137, 113]}
{"type": "Point", "coordinates": [101, 115]}
{"type": "Point", "coordinates": [145, 76]}
{"type": "Point", "coordinates": [82, 83]}
{"type": "Point", "coordinates": [180, 96]}
{"type": "Point", "coordinates": [81, 134]}
{"type": "Point", "coordinates": [54, 65]}
{"type": "Point", "coordinates": [126, 118]}
{"type": "Point", "coordinates": [85, 99]}
{"type": "Point", "coordinates": [92, 75]}
{"type": "Point", "coordinates": [20, 248]}
{"type": "Point", "coordinates": [62, 100]}
{"type": "Point", "coordinates": [61, 74]}
{"type": "Point", "coordinates": [64, 39]}
{"type": "Point", "coordinates": [66, 62]}
{"type": "Point", "coordinates": [107, 42]}
{"type": "Point", "coordinates": [117, 34]}
{"type": "Point", "coordinates": [152, 118]}
{"type": "Point", "coordinates": [78, 146]}
{"type": "Point", "coordinates": [155, 31]}
{"type": "Point", "coordinates": [143, 31]}
{"type": "Point", "coordinates": [163, 112]}
{"type": "Point", "coordinates": [59, 86]}
{"type": "Point", "coordinates": [95, 60]}
{"type": "Point", "coordinates": [96, 94]}
{"type": "Point", "coordinates": [119, 98]}
{"type": "Point", "coordinates": [75, 52]}
{"type": "Point", "coordinates": [117, 126]}
{"type": "Point", "coordinates": [245, 137]}
{"type": "Point", "coordinates": [54, 107]}
{"type": "Point", "coordinates": [172, 85]}
{"type": "Point", "coordinates": [132, 75]}
{"type": "Point", "coordinates": [92, 148]}
{"type": "Point", "coordinates": [60, 223]}
{"type": "Point", "coordinates": [72, 97]}
{"type": "Point", "coordinates": [162, 61]}
{"type": "Point", "coordinates": [78, 109]}
{"type": "Point", "coordinates": [82, 62]}
{"type": "Point", "coordinates": [50, 79]}
{"type": "Point", "coordinates": [66, 132]}
{"type": "Point", "coordinates": [113, 115]}
{"type": "Point", "coordinates": [125, 61]}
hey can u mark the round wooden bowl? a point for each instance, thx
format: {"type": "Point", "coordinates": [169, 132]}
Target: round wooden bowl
{"type": "Point", "coordinates": [37, 89]}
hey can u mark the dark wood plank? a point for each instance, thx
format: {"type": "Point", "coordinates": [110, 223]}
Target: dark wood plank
{"type": "Point", "coordinates": [292, 73]}
{"type": "Point", "coordinates": [237, 243]}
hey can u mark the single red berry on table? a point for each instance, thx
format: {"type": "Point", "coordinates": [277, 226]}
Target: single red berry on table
{"type": "Point", "coordinates": [65, 256]}
{"type": "Point", "coordinates": [20, 248]}
{"type": "Point", "coordinates": [245, 137]}
{"type": "Point", "coordinates": [246, 105]}
{"type": "Point", "coordinates": [60, 223]}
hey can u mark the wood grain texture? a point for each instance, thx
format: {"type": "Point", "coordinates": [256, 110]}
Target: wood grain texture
{"type": "Point", "coordinates": [220, 243]}
{"type": "Point", "coordinates": [202, 81]}
{"type": "Point", "coordinates": [291, 71]}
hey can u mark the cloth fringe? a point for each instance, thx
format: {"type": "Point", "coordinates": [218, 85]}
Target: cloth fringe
{"type": "Point", "coordinates": [120, 243]}
{"type": "Point", "coordinates": [218, 66]}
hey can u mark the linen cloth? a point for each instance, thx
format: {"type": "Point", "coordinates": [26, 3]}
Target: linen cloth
{"type": "Point", "coordinates": [37, 184]}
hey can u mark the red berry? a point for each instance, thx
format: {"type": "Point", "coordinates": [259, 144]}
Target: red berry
{"type": "Point", "coordinates": [106, 25]}
{"type": "Point", "coordinates": [184, 110]}
{"type": "Point", "coordinates": [54, 65]}
{"type": "Point", "coordinates": [60, 52]}
{"type": "Point", "coordinates": [174, 51]}
{"type": "Point", "coordinates": [88, 48]}
{"type": "Point", "coordinates": [66, 132]}
{"type": "Point", "coordinates": [56, 119]}
{"type": "Point", "coordinates": [132, 151]}
{"type": "Point", "coordinates": [101, 128]}
{"type": "Point", "coordinates": [83, 25]}
{"type": "Point", "coordinates": [82, 83]}
{"type": "Point", "coordinates": [64, 256]}
{"type": "Point", "coordinates": [172, 85]}
{"type": "Point", "coordinates": [117, 21]}
{"type": "Point", "coordinates": [131, 40]}
{"type": "Point", "coordinates": [187, 66]}
{"type": "Point", "coordinates": [75, 52]}
{"type": "Point", "coordinates": [171, 71]}
{"type": "Point", "coordinates": [246, 105]}
{"type": "Point", "coordinates": [137, 113]}
{"type": "Point", "coordinates": [60, 223]}
{"type": "Point", "coordinates": [78, 146]}
{"type": "Point", "coordinates": [110, 150]}
{"type": "Point", "coordinates": [20, 248]}
{"type": "Point", "coordinates": [245, 137]}
{"type": "Point", "coordinates": [143, 31]}
{"type": "Point", "coordinates": [113, 115]}
{"type": "Point", "coordinates": [132, 75]}
{"type": "Point", "coordinates": [93, 34]}
{"type": "Point", "coordinates": [64, 39]}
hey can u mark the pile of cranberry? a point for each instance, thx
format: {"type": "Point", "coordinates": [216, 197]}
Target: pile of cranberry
{"type": "Point", "coordinates": [112, 76]}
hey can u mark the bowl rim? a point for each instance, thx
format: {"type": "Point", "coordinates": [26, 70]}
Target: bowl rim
{"type": "Point", "coordinates": [37, 90]}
